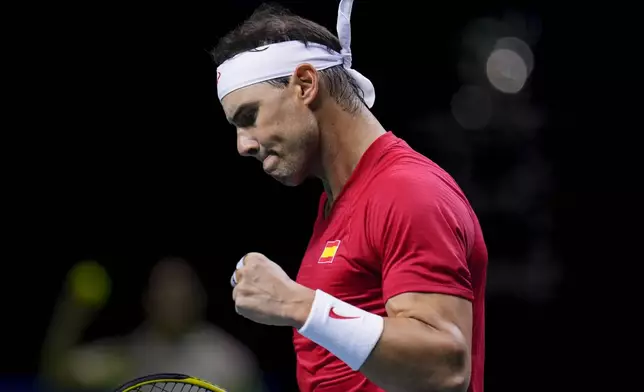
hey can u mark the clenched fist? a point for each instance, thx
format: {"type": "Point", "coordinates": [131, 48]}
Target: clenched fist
{"type": "Point", "coordinates": [264, 293]}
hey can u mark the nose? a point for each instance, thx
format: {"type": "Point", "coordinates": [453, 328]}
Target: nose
{"type": "Point", "coordinates": [246, 145]}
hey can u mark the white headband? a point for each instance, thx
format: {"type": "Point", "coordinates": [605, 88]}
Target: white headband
{"type": "Point", "coordinates": [279, 60]}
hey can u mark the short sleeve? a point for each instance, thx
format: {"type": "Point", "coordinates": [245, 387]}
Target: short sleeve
{"type": "Point", "coordinates": [420, 228]}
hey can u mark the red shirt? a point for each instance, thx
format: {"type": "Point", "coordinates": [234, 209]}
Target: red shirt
{"type": "Point", "coordinates": [403, 225]}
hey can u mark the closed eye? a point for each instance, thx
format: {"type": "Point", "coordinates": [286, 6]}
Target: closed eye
{"type": "Point", "coordinates": [245, 115]}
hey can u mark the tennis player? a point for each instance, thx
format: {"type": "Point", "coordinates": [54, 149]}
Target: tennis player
{"type": "Point", "coordinates": [390, 292]}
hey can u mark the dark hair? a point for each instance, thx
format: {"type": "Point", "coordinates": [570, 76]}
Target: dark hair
{"type": "Point", "coordinates": [272, 23]}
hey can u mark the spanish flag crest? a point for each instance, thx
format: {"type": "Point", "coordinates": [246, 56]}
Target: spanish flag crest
{"type": "Point", "coordinates": [328, 254]}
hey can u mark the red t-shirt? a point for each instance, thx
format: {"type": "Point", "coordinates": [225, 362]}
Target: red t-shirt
{"type": "Point", "coordinates": [401, 224]}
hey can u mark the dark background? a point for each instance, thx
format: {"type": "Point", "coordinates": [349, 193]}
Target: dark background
{"type": "Point", "coordinates": [125, 156]}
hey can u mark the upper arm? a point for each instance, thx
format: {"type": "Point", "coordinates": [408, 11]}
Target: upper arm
{"type": "Point", "coordinates": [446, 313]}
{"type": "Point", "coordinates": [422, 231]}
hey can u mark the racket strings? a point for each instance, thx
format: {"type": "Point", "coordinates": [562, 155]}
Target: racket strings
{"type": "Point", "coordinates": [169, 387]}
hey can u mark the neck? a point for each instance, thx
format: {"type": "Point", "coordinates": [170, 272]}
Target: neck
{"type": "Point", "coordinates": [344, 138]}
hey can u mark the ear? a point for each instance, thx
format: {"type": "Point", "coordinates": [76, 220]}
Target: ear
{"type": "Point", "coordinates": [306, 80]}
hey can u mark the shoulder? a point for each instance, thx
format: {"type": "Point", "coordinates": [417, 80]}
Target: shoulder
{"type": "Point", "coordinates": [411, 193]}
{"type": "Point", "coordinates": [409, 181]}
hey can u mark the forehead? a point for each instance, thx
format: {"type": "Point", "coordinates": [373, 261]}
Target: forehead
{"type": "Point", "coordinates": [260, 92]}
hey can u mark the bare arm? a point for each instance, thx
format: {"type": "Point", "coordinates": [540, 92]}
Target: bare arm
{"type": "Point", "coordinates": [65, 362]}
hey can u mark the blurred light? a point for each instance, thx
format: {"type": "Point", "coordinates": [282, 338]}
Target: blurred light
{"type": "Point", "coordinates": [509, 65]}
{"type": "Point", "coordinates": [519, 47]}
{"type": "Point", "coordinates": [472, 107]}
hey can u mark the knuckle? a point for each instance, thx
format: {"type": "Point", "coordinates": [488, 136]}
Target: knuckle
{"type": "Point", "coordinates": [240, 302]}
{"type": "Point", "coordinates": [252, 258]}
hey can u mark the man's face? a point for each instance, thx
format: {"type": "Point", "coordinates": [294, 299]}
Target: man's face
{"type": "Point", "coordinates": [174, 299]}
{"type": "Point", "coordinates": [277, 128]}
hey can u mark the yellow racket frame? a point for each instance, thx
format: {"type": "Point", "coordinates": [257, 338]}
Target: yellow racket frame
{"type": "Point", "coordinates": [156, 378]}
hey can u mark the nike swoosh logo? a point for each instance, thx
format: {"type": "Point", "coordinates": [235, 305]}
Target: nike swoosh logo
{"type": "Point", "coordinates": [334, 315]}
{"type": "Point", "coordinates": [259, 49]}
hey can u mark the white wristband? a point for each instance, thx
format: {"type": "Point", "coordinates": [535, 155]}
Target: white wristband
{"type": "Point", "coordinates": [348, 332]}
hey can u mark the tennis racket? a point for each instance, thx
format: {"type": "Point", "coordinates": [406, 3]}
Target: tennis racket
{"type": "Point", "coordinates": [168, 383]}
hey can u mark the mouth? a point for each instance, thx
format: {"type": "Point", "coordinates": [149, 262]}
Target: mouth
{"type": "Point", "coordinates": [269, 163]}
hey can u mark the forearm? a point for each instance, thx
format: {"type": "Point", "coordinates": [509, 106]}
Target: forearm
{"type": "Point", "coordinates": [64, 333]}
{"type": "Point", "coordinates": [63, 355]}
{"type": "Point", "coordinates": [403, 353]}
{"type": "Point", "coordinates": [413, 356]}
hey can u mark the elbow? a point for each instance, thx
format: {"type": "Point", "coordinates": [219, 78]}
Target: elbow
{"type": "Point", "coordinates": [456, 382]}
{"type": "Point", "coordinates": [456, 370]}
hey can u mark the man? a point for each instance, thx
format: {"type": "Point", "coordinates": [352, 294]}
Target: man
{"type": "Point", "coordinates": [173, 336]}
{"type": "Point", "coordinates": [390, 292]}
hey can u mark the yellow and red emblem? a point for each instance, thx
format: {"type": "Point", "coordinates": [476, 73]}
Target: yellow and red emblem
{"type": "Point", "coordinates": [328, 254]}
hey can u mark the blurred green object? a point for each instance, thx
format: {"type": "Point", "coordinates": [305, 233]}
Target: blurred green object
{"type": "Point", "coordinates": [89, 283]}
